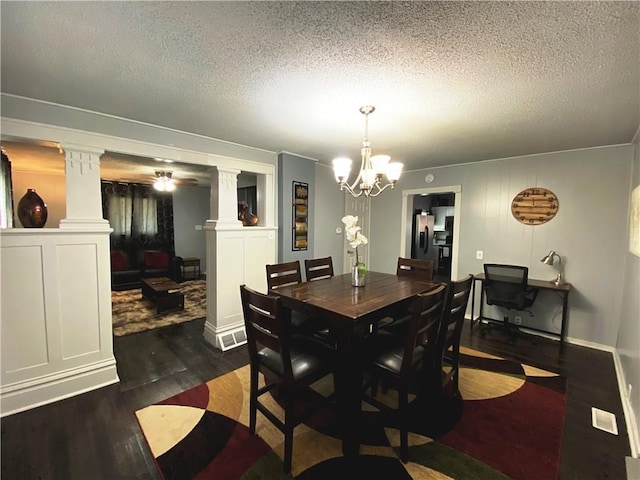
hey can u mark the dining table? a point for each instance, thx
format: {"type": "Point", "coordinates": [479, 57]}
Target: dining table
{"type": "Point", "coordinates": [350, 312]}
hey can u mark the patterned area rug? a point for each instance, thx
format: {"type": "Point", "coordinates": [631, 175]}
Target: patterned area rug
{"type": "Point", "coordinates": [131, 313]}
{"type": "Point", "coordinates": [509, 425]}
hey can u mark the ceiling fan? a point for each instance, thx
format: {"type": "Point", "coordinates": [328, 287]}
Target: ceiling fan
{"type": "Point", "coordinates": [164, 181]}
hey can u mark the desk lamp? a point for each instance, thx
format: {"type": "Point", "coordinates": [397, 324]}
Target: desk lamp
{"type": "Point", "coordinates": [549, 259]}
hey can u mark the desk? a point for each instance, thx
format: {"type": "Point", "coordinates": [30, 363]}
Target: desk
{"type": "Point", "coordinates": [349, 311]}
{"type": "Point", "coordinates": [193, 263]}
{"type": "Point", "coordinates": [561, 290]}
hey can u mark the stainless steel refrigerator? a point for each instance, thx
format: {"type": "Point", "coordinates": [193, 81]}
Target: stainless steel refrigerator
{"type": "Point", "coordinates": [422, 246]}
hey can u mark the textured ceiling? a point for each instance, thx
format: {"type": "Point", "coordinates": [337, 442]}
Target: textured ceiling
{"type": "Point", "coordinates": [452, 82]}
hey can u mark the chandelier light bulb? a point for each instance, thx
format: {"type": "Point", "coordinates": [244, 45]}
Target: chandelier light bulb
{"type": "Point", "coordinates": [372, 168]}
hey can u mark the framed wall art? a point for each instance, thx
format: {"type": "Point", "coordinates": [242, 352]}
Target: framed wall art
{"type": "Point", "coordinates": [300, 215]}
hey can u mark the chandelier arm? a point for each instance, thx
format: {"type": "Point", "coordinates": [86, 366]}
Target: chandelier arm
{"type": "Point", "coordinates": [348, 188]}
{"type": "Point", "coordinates": [380, 190]}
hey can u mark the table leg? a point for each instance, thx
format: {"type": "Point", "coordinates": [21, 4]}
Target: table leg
{"type": "Point", "coordinates": [563, 325]}
{"type": "Point", "coordinates": [348, 385]}
{"type": "Point", "coordinates": [473, 302]}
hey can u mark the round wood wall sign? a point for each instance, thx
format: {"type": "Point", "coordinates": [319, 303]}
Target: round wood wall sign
{"type": "Point", "coordinates": [534, 206]}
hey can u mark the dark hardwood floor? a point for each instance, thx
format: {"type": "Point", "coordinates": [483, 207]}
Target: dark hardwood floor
{"type": "Point", "coordinates": [96, 435]}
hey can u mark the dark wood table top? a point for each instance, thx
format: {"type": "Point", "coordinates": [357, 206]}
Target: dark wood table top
{"type": "Point", "coordinates": [338, 297]}
{"type": "Point", "coordinates": [161, 284]}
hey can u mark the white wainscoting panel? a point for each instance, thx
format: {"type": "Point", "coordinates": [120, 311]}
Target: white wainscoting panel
{"type": "Point", "coordinates": [24, 327]}
{"type": "Point", "coordinates": [56, 316]}
{"type": "Point", "coordinates": [237, 256]}
{"type": "Point", "coordinates": [79, 331]}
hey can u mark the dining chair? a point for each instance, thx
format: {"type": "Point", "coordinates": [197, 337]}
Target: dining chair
{"type": "Point", "coordinates": [398, 363]}
{"type": "Point", "coordinates": [446, 361]}
{"type": "Point", "coordinates": [289, 273]}
{"type": "Point", "coordinates": [287, 364]}
{"type": "Point", "coordinates": [318, 268]}
{"type": "Point", "coordinates": [506, 286]}
{"type": "Point", "coordinates": [413, 268]}
{"type": "Point", "coordinates": [282, 274]}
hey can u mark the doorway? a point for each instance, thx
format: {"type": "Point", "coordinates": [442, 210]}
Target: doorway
{"type": "Point", "coordinates": [439, 242]}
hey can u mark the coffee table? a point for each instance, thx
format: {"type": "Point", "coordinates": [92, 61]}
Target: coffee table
{"type": "Point", "coordinates": [164, 293]}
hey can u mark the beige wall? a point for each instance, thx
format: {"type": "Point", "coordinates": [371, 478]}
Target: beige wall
{"type": "Point", "coordinates": [51, 188]}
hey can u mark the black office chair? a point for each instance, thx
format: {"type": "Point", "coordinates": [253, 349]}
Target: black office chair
{"type": "Point", "coordinates": [506, 286]}
{"type": "Point", "coordinates": [289, 365]}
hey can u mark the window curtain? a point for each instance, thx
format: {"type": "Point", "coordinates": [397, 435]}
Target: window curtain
{"type": "Point", "coordinates": [145, 214]}
{"type": "Point", "coordinates": [141, 218]}
{"type": "Point", "coordinates": [6, 193]}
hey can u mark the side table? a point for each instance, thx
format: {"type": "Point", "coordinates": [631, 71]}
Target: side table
{"type": "Point", "coordinates": [193, 263]}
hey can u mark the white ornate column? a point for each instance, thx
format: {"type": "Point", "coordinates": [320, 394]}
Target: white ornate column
{"type": "Point", "coordinates": [84, 199]}
{"type": "Point", "coordinates": [223, 269]}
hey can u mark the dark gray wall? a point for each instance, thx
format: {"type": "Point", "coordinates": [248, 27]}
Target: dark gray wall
{"type": "Point", "coordinates": [628, 344]}
{"type": "Point", "coordinates": [292, 168]}
{"type": "Point", "coordinates": [329, 201]}
{"type": "Point", "coordinates": [190, 208]}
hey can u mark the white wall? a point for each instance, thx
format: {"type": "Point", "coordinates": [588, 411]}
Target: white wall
{"type": "Point", "coordinates": [51, 188]}
{"type": "Point", "coordinates": [589, 230]}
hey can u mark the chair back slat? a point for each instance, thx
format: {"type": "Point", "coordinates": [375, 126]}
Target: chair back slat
{"type": "Point", "coordinates": [448, 343]}
{"type": "Point", "coordinates": [283, 274]}
{"type": "Point", "coordinates": [415, 268]}
{"type": "Point", "coordinates": [318, 268]}
{"type": "Point", "coordinates": [266, 324]}
{"type": "Point", "coordinates": [426, 316]}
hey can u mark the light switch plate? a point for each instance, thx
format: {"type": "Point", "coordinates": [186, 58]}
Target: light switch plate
{"type": "Point", "coordinates": [479, 255]}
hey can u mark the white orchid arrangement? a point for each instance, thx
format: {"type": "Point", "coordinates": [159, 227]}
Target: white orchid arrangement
{"type": "Point", "coordinates": [354, 237]}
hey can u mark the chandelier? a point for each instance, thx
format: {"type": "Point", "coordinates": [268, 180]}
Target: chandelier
{"type": "Point", "coordinates": [164, 182]}
{"type": "Point", "coordinates": [372, 169]}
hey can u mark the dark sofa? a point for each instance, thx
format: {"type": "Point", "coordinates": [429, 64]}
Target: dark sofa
{"type": "Point", "coordinates": [127, 269]}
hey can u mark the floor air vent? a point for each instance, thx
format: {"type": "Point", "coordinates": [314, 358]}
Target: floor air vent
{"type": "Point", "coordinates": [232, 339]}
{"type": "Point", "coordinates": [604, 420]}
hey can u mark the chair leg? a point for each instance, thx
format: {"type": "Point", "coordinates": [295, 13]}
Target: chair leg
{"type": "Point", "coordinates": [403, 406]}
{"type": "Point", "coordinates": [253, 401]}
{"type": "Point", "coordinates": [289, 426]}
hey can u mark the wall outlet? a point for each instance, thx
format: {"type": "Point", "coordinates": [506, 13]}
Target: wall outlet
{"type": "Point", "coordinates": [517, 320]}
{"type": "Point", "coordinates": [479, 255]}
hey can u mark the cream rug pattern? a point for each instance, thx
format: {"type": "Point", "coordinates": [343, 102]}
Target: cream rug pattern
{"type": "Point", "coordinates": [131, 313]}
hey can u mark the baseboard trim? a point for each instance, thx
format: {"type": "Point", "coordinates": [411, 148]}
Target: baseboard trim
{"type": "Point", "coordinates": [226, 339]}
{"type": "Point", "coordinates": [629, 415]}
{"type": "Point", "coordinates": [24, 396]}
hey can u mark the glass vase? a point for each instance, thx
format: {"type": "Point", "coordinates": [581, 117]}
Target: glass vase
{"type": "Point", "coordinates": [32, 211]}
{"type": "Point", "coordinates": [359, 275]}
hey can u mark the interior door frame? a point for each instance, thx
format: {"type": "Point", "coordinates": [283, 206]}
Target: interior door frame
{"type": "Point", "coordinates": [407, 217]}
